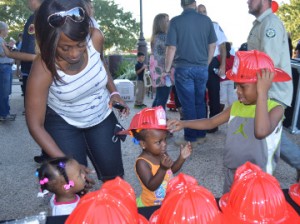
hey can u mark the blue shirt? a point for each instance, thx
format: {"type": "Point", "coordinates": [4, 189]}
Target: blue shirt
{"type": "Point", "coordinates": [191, 33]}
{"type": "Point", "coordinates": [28, 43]}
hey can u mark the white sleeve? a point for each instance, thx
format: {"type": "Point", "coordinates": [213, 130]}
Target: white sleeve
{"type": "Point", "coordinates": [220, 34]}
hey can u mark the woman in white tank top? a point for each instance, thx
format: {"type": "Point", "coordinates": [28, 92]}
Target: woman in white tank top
{"type": "Point", "coordinates": [70, 91]}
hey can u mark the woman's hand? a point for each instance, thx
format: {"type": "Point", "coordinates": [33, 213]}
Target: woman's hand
{"type": "Point", "coordinates": [117, 99]}
{"type": "Point", "coordinates": [89, 182]}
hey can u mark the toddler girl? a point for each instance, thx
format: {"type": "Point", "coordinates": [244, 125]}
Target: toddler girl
{"type": "Point", "coordinates": [65, 178]}
{"type": "Point", "coordinates": [154, 167]}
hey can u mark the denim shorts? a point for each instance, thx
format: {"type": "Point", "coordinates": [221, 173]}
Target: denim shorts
{"type": "Point", "coordinates": [94, 142]}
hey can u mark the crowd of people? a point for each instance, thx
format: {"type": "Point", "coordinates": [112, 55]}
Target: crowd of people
{"type": "Point", "coordinates": [61, 57]}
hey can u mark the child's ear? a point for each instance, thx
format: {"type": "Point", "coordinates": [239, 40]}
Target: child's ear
{"type": "Point", "coordinates": [142, 144]}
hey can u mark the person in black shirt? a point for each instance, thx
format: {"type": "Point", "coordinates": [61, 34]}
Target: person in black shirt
{"type": "Point", "coordinates": [140, 69]}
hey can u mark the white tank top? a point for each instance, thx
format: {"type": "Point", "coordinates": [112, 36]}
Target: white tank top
{"type": "Point", "coordinates": [82, 99]}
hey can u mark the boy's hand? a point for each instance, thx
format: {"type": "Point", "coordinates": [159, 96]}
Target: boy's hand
{"type": "Point", "coordinates": [264, 81]}
{"type": "Point", "coordinates": [174, 125]}
{"type": "Point", "coordinates": [186, 151]}
{"type": "Point", "coordinates": [166, 162]}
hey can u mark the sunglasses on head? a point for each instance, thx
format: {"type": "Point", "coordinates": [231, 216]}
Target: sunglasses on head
{"type": "Point", "coordinates": [59, 18]}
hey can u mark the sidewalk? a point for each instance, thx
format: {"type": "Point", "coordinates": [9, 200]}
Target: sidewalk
{"type": "Point", "coordinates": [19, 186]}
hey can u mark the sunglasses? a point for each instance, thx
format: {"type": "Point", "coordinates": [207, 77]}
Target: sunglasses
{"type": "Point", "coordinates": [59, 18]}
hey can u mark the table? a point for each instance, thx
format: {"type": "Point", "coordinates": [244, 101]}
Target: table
{"type": "Point", "coordinates": [147, 211]}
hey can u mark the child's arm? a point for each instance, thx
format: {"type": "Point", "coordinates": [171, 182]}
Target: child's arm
{"type": "Point", "coordinates": [200, 124]}
{"type": "Point", "coordinates": [18, 55]}
{"type": "Point", "coordinates": [265, 122]}
{"type": "Point", "coordinates": [139, 71]}
{"type": "Point", "coordinates": [152, 182]}
{"type": "Point", "coordinates": [185, 152]}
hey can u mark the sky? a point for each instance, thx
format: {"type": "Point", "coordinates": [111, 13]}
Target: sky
{"type": "Point", "coordinates": [231, 15]}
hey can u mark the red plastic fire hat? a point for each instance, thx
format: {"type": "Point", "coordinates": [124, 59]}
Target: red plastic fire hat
{"type": "Point", "coordinates": [256, 197]}
{"type": "Point", "coordinates": [110, 205]}
{"type": "Point", "coordinates": [148, 118]}
{"type": "Point", "coordinates": [123, 191]}
{"type": "Point", "coordinates": [179, 182]}
{"type": "Point", "coordinates": [247, 63]}
{"type": "Point", "coordinates": [187, 204]}
{"type": "Point", "coordinates": [294, 193]}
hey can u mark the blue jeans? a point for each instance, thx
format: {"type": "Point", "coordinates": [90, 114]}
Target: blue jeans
{"type": "Point", "coordinates": [289, 152]}
{"type": "Point", "coordinates": [5, 88]}
{"type": "Point", "coordinates": [94, 142]}
{"type": "Point", "coordinates": [190, 85]}
{"type": "Point", "coordinates": [161, 97]}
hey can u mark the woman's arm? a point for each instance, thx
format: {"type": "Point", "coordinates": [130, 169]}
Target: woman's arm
{"type": "Point", "coordinates": [98, 42]}
{"type": "Point", "coordinates": [22, 56]}
{"type": "Point", "coordinates": [37, 91]}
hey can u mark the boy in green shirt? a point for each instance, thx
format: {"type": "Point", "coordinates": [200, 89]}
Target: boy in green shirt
{"type": "Point", "coordinates": [254, 121]}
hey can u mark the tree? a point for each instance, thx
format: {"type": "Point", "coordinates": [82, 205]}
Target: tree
{"type": "Point", "coordinates": [14, 13]}
{"type": "Point", "coordinates": [120, 28]}
{"type": "Point", "coordinates": [289, 14]}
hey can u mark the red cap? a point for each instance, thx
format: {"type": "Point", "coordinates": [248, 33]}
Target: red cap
{"type": "Point", "coordinates": [148, 118]}
{"type": "Point", "coordinates": [247, 63]}
{"type": "Point", "coordinates": [256, 197]}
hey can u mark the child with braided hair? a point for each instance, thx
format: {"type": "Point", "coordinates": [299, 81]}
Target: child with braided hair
{"type": "Point", "coordinates": [65, 178]}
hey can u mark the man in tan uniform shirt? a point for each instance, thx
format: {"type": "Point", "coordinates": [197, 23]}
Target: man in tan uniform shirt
{"type": "Point", "coordinates": [269, 35]}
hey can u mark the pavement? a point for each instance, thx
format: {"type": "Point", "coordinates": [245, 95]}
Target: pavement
{"type": "Point", "coordinates": [19, 186]}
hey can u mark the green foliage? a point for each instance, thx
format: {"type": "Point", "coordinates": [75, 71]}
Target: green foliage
{"type": "Point", "coordinates": [289, 14]}
{"type": "Point", "coordinates": [126, 70]}
{"type": "Point", "coordinates": [14, 13]}
{"type": "Point", "coordinates": [120, 28]}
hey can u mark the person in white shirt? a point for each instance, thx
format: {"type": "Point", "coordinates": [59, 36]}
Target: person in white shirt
{"type": "Point", "coordinates": [215, 70]}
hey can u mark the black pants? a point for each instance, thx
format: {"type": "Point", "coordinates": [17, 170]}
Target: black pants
{"type": "Point", "coordinates": [24, 81]}
{"type": "Point", "coordinates": [213, 88]}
